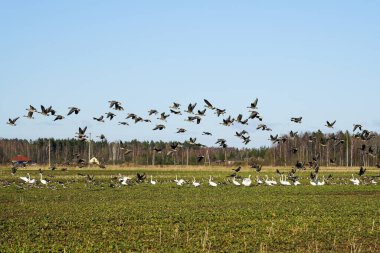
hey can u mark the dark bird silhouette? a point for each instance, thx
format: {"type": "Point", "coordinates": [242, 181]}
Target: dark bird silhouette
{"type": "Point", "coordinates": [200, 158]}
{"type": "Point", "coordinates": [330, 124]}
{"type": "Point", "coordinates": [123, 123]}
{"type": "Point", "coordinates": [219, 112]}
{"type": "Point", "coordinates": [12, 122]}
{"type": "Point", "coordinates": [110, 115]}
{"type": "Point", "coordinates": [253, 105]}
{"type": "Point", "coordinates": [238, 169]}
{"type": "Point", "coordinates": [114, 103]}
{"type": "Point", "coordinates": [190, 108]}
{"type": "Point", "coordinates": [73, 110]}
{"type": "Point", "coordinates": [175, 106]}
{"type": "Point", "coordinates": [58, 117]}
{"type": "Point", "coordinates": [157, 150]}
{"type": "Point", "coordinates": [29, 115]}
{"type": "Point", "coordinates": [100, 119]}
{"type": "Point", "coordinates": [163, 116]}
{"type": "Point", "coordinates": [361, 171]}
{"type": "Point", "coordinates": [201, 113]}
{"type": "Point", "coordinates": [175, 112]}
{"type": "Point", "coordinates": [194, 118]}
{"type": "Point", "coordinates": [357, 126]}
{"type": "Point", "coordinates": [180, 130]}
{"type": "Point", "coordinates": [152, 111]}
{"type": "Point", "coordinates": [297, 120]}
{"type": "Point", "coordinates": [141, 177]}
{"type": "Point", "coordinates": [159, 127]}
{"type": "Point", "coordinates": [208, 104]}
{"type": "Point", "coordinates": [207, 133]}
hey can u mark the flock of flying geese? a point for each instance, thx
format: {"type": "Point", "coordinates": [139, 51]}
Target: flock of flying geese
{"type": "Point", "coordinates": [196, 116]}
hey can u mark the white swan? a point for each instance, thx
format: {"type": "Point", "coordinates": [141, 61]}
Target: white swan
{"type": "Point", "coordinates": [267, 181]}
{"type": "Point", "coordinates": [25, 179]}
{"type": "Point", "coordinates": [247, 181]}
{"type": "Point", "coordinates": [195, 183]}
{"type": "Point", "coordinates": [235, 182]}
{"type": "Point", "coordinates": [283, 181]}
{"type": "Point", "coordinates": [43, 181]}
{"type": "Point", "coordinates": [152, 181]}
{"type": "Point", "coordinates": [354, 180]}
{"type": "Point", "coordinates": [179, 182]}
{"type": "Point", "coordinates": [211, 183]}
{"type": "Point", "coordinates": [258, 180]}
{"type": "Point", "coordinates": [321, 183]}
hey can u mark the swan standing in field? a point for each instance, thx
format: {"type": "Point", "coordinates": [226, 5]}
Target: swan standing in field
{"type": "Point", "coordinates": [258, 180]}
{"type": "Point", "coordinates": [321, 183]}
{"type": "Point", "coordinates": [267, 181]}
{"type": "Point", "coordinates": [235, 182]}
{"type": "Point", "coordinates": [247, 181]}
{"type": "Point", "coordinates": [195, 183]}
{"type": "Point", "coordinates": [283, 181]}
{"type": "Point", "coordinates": [152, 181]}
{"type": "Point", "coordinates": [43, 181]}
{"type": "Point", "coordinates": [211, 183]}
{"type": "Point", "coordinates": [179, 182]}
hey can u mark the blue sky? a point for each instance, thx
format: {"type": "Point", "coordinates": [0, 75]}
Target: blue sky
{"type": "Point", "coordinates": [319, 60]}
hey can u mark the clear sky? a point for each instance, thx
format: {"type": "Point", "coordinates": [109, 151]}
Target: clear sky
{"type": "Point", "coordinates": [316, 59]}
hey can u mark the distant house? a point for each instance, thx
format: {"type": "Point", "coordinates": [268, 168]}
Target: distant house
{"type": "Point", "coordinates": [21, 160]}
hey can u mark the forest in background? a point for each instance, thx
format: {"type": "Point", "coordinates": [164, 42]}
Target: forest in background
{"type": "Point", "coordinates": [338, 149]}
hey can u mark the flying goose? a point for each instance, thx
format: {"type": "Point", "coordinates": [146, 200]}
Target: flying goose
{"type": "Point", "coordinates": [190, 108]}
{"type": "Point", "coordinates": [58, 117]}
{"type": "Point", "coordinates": [73, 110]}
{"type": "Point", "coordinates": [159, 127]}
{"type": "Point", "coordinates": [208, 104]}
{"type": "Point", "coordinates": [12, 122]}
{"type": "Point", "coordinates": [163, 116]}
{"type": "Point", "coordinates": [296, 120]}
{"type": "Point", "coordinates": [100, 119]}
{"type": "Point", "coordinates": [253, 105]}
{"type": "Point", "coordinates": [175, 106]}
{"type": "Point", "coordinates": [152, 111]}
{"type": "Point", "coordinates": [330, 124]}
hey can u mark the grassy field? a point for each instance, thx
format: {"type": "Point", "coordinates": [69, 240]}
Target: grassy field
{"type": "Point", "coordinates": [91, 216]}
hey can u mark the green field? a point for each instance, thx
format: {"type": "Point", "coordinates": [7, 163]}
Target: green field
{"type": "Point", "coordinates": [92, 216]}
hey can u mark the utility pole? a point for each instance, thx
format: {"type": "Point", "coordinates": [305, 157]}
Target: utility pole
{"type": "Point", "coordinates": [49, 154]}
{"type": "Point", "coordinates": [89, 151]}
{"type": "Point", "coordinates": [187, 157]}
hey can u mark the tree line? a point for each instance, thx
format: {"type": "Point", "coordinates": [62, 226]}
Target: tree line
{"type": "Point", "coordinates": [338, 149]}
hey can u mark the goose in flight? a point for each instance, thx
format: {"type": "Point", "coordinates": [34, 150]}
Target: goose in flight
{"type": "Point", "coordinates": [175, 106]}
{"type": "Point", "coordinates": [296, 120]}
{"type": "Point", "coordinates": [81, 133]}
{"type": "Point", "coordinates": [31, 109]}
{"type": "Point", "coordinates": [29, 115]}
{"type": "Point", "coordinates": [253, 105]}
{"type": "Point", "coordinates": [157, 150]}
{"type": "Point", "coordinates": [190, 108]}
{"type": "Point", "coordinates": [357, 126]}
{"type": "Point", "coordinates": [159, 127]}
{"type": "Point", "coordinates": [45, 111]}
{"type": "Point", "coordinates": [12, 122]}
{"type": "Point", "coordinates": [201, 113]}
{"type": "Point", "coordinates": [330, 124]}
{"type": "Point", "coordinates": [110, 115]}
{"type": "Point", "coordinates": [114, 103]}
{"type": "Point", "coordinates": [123, 123]}
{"type": "Point", "coordinates": [208, 104]}
{"type": "Point", "coordinates": [175, 112]}
{"type": "Point", "coordinates": [58, 117]}
{"type": "Point", "coordinates": [163, 116]}
{"type": "Point", "coordinates": [100, 119]}
{"type": "Point", "coordinates": [200, 158]}
{"type": "Point", "coordinates": [152, 111]}
{"type": "Point", "coordinates": [180, 130]}
{"type": "Point", "coordinates": [219, 112]}
{"type": "Point", "coordinates": [193, 118]}
{"type": "Point", "coordinates": [207, 133]}
{"type": "Point", "coordinates": [73, 110]}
